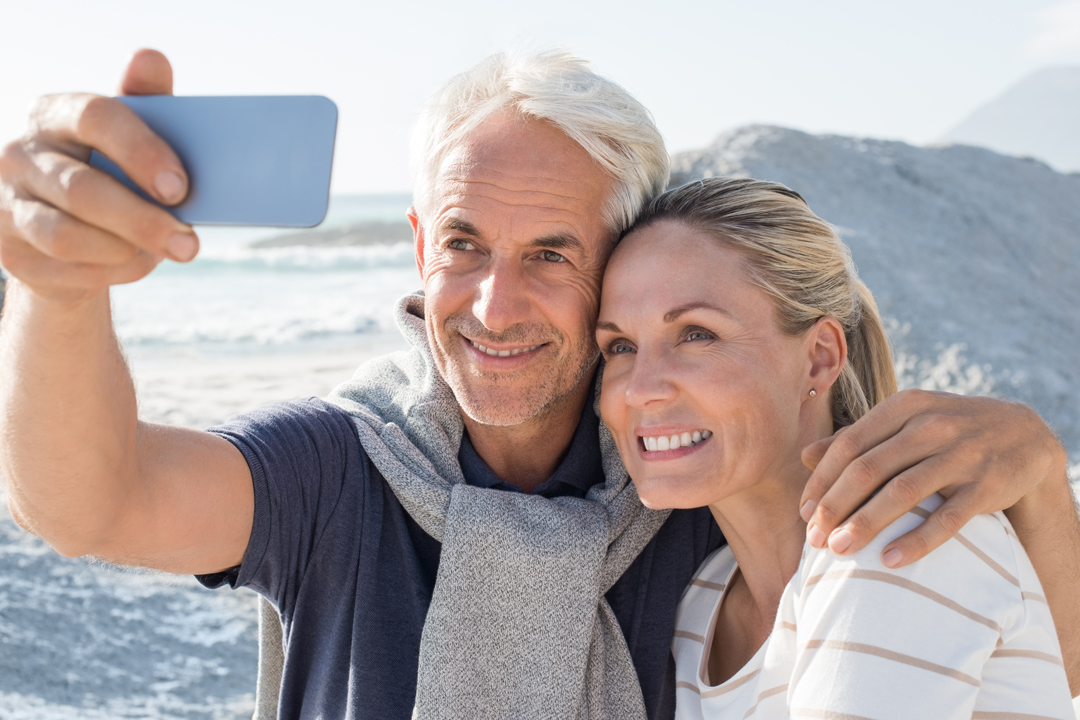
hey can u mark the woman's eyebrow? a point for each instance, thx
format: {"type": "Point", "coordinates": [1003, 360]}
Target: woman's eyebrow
{"type": "Point", "coordinates": [673, 315]}
{"type": "Point", "coordinates": [609, 326]}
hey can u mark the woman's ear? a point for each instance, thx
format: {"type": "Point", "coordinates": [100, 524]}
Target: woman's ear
{"type": "Point", "coordinates": [827, 347]}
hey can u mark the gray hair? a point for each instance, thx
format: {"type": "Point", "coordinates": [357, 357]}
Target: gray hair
{"type": "Point", "coordinates": [558, 87]}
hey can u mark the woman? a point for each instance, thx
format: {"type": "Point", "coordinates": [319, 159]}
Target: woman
{"type": "Point", "coordinates": [735, 333]}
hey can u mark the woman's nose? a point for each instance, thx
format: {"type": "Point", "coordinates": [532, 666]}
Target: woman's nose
{"type": "Point", "coordinates": [649, 382]}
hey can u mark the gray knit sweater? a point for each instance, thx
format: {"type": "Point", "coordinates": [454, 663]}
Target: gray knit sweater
{"type": "Point", "coordinates": [518, 625]}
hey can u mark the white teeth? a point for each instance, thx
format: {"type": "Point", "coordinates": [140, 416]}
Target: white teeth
{"type": "Point", "coordinates": [502, 353]}
{"type": "Point", "coordinates": [674, 442]}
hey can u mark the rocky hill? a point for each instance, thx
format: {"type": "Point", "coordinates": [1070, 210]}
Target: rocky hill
{"type": "Point", "coordinates": [974, 257]}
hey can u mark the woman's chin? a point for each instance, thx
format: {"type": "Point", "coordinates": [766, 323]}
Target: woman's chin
{"type": "Point", "coordinates": [668, 494]}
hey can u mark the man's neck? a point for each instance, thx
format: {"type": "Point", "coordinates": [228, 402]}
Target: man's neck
{"type": "Point", "coordinates": [527, 454]}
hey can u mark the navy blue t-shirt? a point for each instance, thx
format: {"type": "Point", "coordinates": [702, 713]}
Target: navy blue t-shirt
{"type": "Point", "coordinates": [352, 574]}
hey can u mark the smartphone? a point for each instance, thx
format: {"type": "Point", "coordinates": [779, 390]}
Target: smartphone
{"type": "Point", "coordinates": [250, 160]}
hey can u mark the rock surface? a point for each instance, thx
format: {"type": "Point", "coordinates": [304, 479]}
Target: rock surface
{"type": "Point", "coordinates": [974, 257]}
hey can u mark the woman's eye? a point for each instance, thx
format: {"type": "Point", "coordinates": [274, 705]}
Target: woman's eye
{"type": "Point", "coordinates": [698, 335]}
{"type": "Point", "coordinates": [552, 256]}
{"type": "Point", "coordinates": [620, 348]}
{"type": "Point", "coordinates": [459, 245]}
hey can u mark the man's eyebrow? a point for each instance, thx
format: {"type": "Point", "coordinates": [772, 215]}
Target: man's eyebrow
{"type": "Point", "coordinates": [558, 242]}
{"type": "Point", "coordinates": [609, 326]}
{"type": "Point", "coordinates": [673, 315]}
{"type": "Point", "coordinates": [461, 226]}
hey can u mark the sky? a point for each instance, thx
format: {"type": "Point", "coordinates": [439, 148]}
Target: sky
{"type": "Point", "coordinates": [908, 71]}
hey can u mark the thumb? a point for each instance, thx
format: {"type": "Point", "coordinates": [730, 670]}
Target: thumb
{"type": "Point", "coordinates": [147, 73]}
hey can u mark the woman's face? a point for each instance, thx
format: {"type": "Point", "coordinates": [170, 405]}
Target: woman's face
{"type": "Point", "coordinates": [696, 362]}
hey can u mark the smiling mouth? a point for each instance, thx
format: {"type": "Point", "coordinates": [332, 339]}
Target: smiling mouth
{"type": "Point", "coordinates": [504, 353]}
{"type": "Point", "coordinates": [661, 443]}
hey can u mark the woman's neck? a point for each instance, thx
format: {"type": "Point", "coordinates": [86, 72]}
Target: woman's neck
{"type": "Point", "coordinates": [766, 535]}
{"type": "Point", "coordinates": [763, 528]}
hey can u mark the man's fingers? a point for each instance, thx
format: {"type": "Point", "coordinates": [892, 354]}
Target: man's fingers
{"type": "Point", "coordinates": [881, 423]}
{"type": "Point", "coordinates": [812, 453]}
{"type": "Point", "coordinates": [899, 496]}
{"type": "Point", "coordinates": [884, 463]}
{"type": "Point", "coordinates": [65, 279]}
{"type": "Point", "coordinates": [943, 524]}
{"type": "Point", "coordinates": [148, 73]}
{"type": "Point", "coordinates": [97, 199]}
{"type": "Point", "coordinates": [80, 122]}
{"type": "Point", "coordinates": [62, 237]}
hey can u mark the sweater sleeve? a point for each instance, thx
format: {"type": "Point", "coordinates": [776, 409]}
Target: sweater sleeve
{"type": "Point", "coordinates": [962, 633]}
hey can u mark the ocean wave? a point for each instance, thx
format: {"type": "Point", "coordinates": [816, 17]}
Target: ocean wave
{"type": "Point", "coordinates": [267, 334]}
{"type": "Point", "coordinates": [298, 259]}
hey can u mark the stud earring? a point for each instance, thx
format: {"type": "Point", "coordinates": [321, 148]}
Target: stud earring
{"type": "Point", "coordinates": [813, 392]}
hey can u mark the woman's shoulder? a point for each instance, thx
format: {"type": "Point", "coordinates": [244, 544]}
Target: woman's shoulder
{"type": "Point", "coordinates": [983, 568]}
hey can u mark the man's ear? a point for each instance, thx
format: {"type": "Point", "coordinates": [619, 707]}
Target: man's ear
{"type": "Point", "coordinates": [828, 350]}
{"type": "Point", "coordinates": [418, 239]}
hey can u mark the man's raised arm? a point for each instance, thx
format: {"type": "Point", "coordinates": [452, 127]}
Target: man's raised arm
{"type": "Point", "coordinates": [81, 470]}
{"type": "Point", "coordinates": [983, 455]}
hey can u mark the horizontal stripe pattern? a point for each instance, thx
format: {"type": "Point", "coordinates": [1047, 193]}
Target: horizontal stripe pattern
{"type": "Point", "coordinates": [892, 655]}
{"type": "Point", "coordinates": [765, 695]}
{"type": "Point", "coordinates": [967, 626]}
{"type": "Point", "coordinates": [1030, 654]}
{"type": "Point", "coordinates": [910, 586]}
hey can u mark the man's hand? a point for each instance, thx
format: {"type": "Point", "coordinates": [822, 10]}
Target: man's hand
{"type": "Point", "coordinates": [982, 454]}
{"type": "Point", "coordinates": [67, 230]}
{"type": "Point", "coordinates": [81, 470]}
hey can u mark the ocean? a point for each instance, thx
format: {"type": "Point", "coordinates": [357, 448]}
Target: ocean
{"type": "Point", "coordinates": [234, 299]}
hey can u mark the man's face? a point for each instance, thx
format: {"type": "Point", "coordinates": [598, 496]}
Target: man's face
{"type": "Point", "coordinates": [512, 257]}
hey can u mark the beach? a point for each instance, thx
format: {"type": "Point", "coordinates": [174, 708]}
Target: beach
{"type": "Point", "coordinates": [264, 315]}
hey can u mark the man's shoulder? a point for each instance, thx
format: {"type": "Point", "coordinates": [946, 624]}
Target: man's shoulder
{"type": "Point", "coordinates": [298, 434]}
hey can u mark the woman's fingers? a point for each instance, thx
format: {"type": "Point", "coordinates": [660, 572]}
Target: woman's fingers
{"type": "Point", "coordinates": [94, 198]}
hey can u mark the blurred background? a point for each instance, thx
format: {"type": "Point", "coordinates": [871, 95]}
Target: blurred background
{"type": "Point", "coordinates": [941, 139]}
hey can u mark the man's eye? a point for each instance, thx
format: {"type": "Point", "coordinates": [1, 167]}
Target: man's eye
{"type": "Point", "coordinates": [459, 245]}
{"type": "Point", "coordinates": [552, 256]}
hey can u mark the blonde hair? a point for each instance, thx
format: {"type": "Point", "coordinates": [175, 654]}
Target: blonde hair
{"type": "Point", "coordinates": [558, 87]}
{"type": "Point", "coordinates": [800, 261]}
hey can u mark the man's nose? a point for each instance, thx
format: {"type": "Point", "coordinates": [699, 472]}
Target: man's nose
{"type": "Point", "coordinates": [650, 382]}
{"type": "Point", "coordinates": [502, 299]}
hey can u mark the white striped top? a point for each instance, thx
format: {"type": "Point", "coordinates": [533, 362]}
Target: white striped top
{"type": "Point", "coordinates": [963, 633]}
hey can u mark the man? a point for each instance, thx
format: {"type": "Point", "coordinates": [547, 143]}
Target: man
{"type": "Point", "coordinates": [364, 519]}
